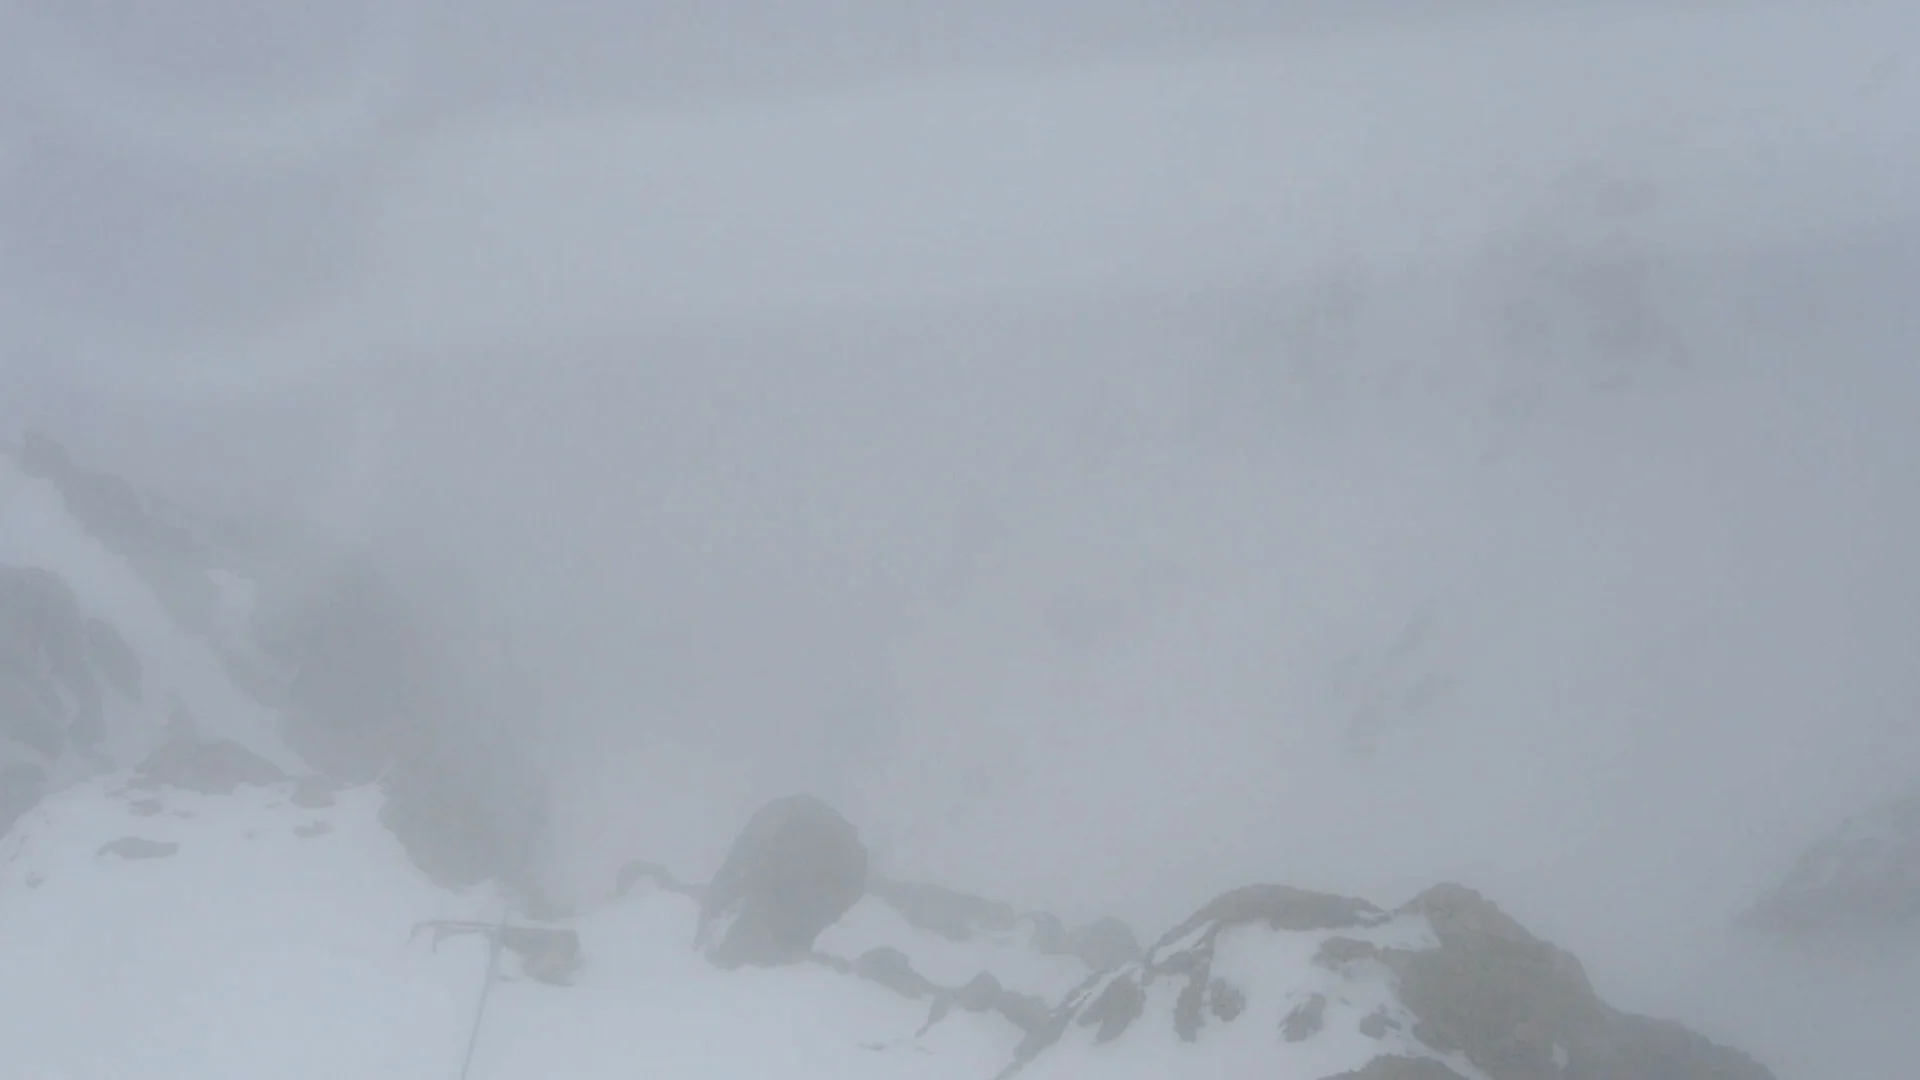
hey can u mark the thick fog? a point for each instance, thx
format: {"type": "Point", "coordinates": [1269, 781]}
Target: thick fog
{"type": "Point", "coordinates": [1112, 455]}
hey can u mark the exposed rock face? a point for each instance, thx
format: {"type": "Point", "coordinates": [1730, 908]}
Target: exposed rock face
{"type": "Point", "coordinates": [50, 694]}
{"type": "Point", "coordinates": [167, 555]}
{"type": "Point", "coordinates": [1863, 877]}
{"type": "Point", "coordinates": [796, 868]}
{"type": "Point", "coordinates": [1446, 987]}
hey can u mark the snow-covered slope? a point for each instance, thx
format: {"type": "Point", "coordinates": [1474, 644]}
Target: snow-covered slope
{"type": "Point", "coordinates": [281, 930]}
{"type": "Point", "coordinates": [245, 936]}
{"type": "Point", "coordinates": [97, 659]}
{"type": "Point", "coordinates": [183, 894]}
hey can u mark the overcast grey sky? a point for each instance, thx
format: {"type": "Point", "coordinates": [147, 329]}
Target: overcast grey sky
{"type": "Point", "coordinates": [1115, 451]}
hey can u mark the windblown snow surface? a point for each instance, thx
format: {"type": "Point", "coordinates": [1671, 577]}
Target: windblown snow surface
{"type": "Point", "coordinates": [157, 932]}
{"type": "Point", "coordinates": [274, 941]}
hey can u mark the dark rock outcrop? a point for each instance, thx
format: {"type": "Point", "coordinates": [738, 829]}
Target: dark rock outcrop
{"type": "Point", "coordinates": [1522, 1009]}
{"type": "Point", "coordinates": [50, 695]}
{"type": "Point", "coordinates": [1486, 992]}
{"type": "Point", "coordinates": [892, 969]}
{"type": "Point", "coordinates": [796, 868]}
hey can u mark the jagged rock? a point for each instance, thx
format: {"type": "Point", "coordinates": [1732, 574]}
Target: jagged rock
{"type": "Point", "coordinates": [207, 766]}
{"type": "Point", "coordinates": [890, 968]}
{"type": "Point", "coordinates": [1117, 1007]}
{"type": "Point", "coordinates": [1306, 1020]}
{"type": "Point", "coordinates": [1446, 985]}
{"type": "Point", "coordinates": [1281, 907]}
{"type": "Point", "coordinates": [796, 868]}
{"type": "Point", "coordinates": [52, 694]}
{"type": "Point", "coordinates": [1864, 877]}
{"type": "Point", "coordinates": [1520, 1008]}
{"type": "Point", "coordinates": [984, 994]}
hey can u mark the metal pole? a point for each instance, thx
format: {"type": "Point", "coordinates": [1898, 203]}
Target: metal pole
{"type": "Point", "coordinates": [493, 951]}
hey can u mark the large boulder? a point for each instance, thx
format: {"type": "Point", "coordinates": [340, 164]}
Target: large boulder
{"type": "Point", "coordinates": [796, 868]}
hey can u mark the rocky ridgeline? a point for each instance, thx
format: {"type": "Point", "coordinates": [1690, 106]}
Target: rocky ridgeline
{"type": "Point", "coordinates": [1862, 878]}
{"type": "Point", "coordinates": [350, 678]}
{"type": "Point", "coordinates": [1446, 987]}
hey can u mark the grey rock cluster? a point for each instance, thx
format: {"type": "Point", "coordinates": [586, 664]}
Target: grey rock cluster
{"type": "Point", "coordinates": [57, 665]}
{"type": "Point", "coordinates": [1514, 1006]}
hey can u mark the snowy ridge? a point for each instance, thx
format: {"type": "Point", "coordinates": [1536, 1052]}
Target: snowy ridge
{"type": "Point", "coordinates": [1865, 875]}
{"type": "Point", "coordinates": [183, 896]}
{"type": "Point", "coordinates": [1265, 967]}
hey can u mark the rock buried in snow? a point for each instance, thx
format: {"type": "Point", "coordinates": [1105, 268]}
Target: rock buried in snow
{"type": "Point", "coordinates": [312, 793]}
{"type": "Point", "coordinates": [207, 766]}
{"type": "Point", "coordinates": [135, 847]}
{"type": "Point", "coordinates": [796, 868]}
